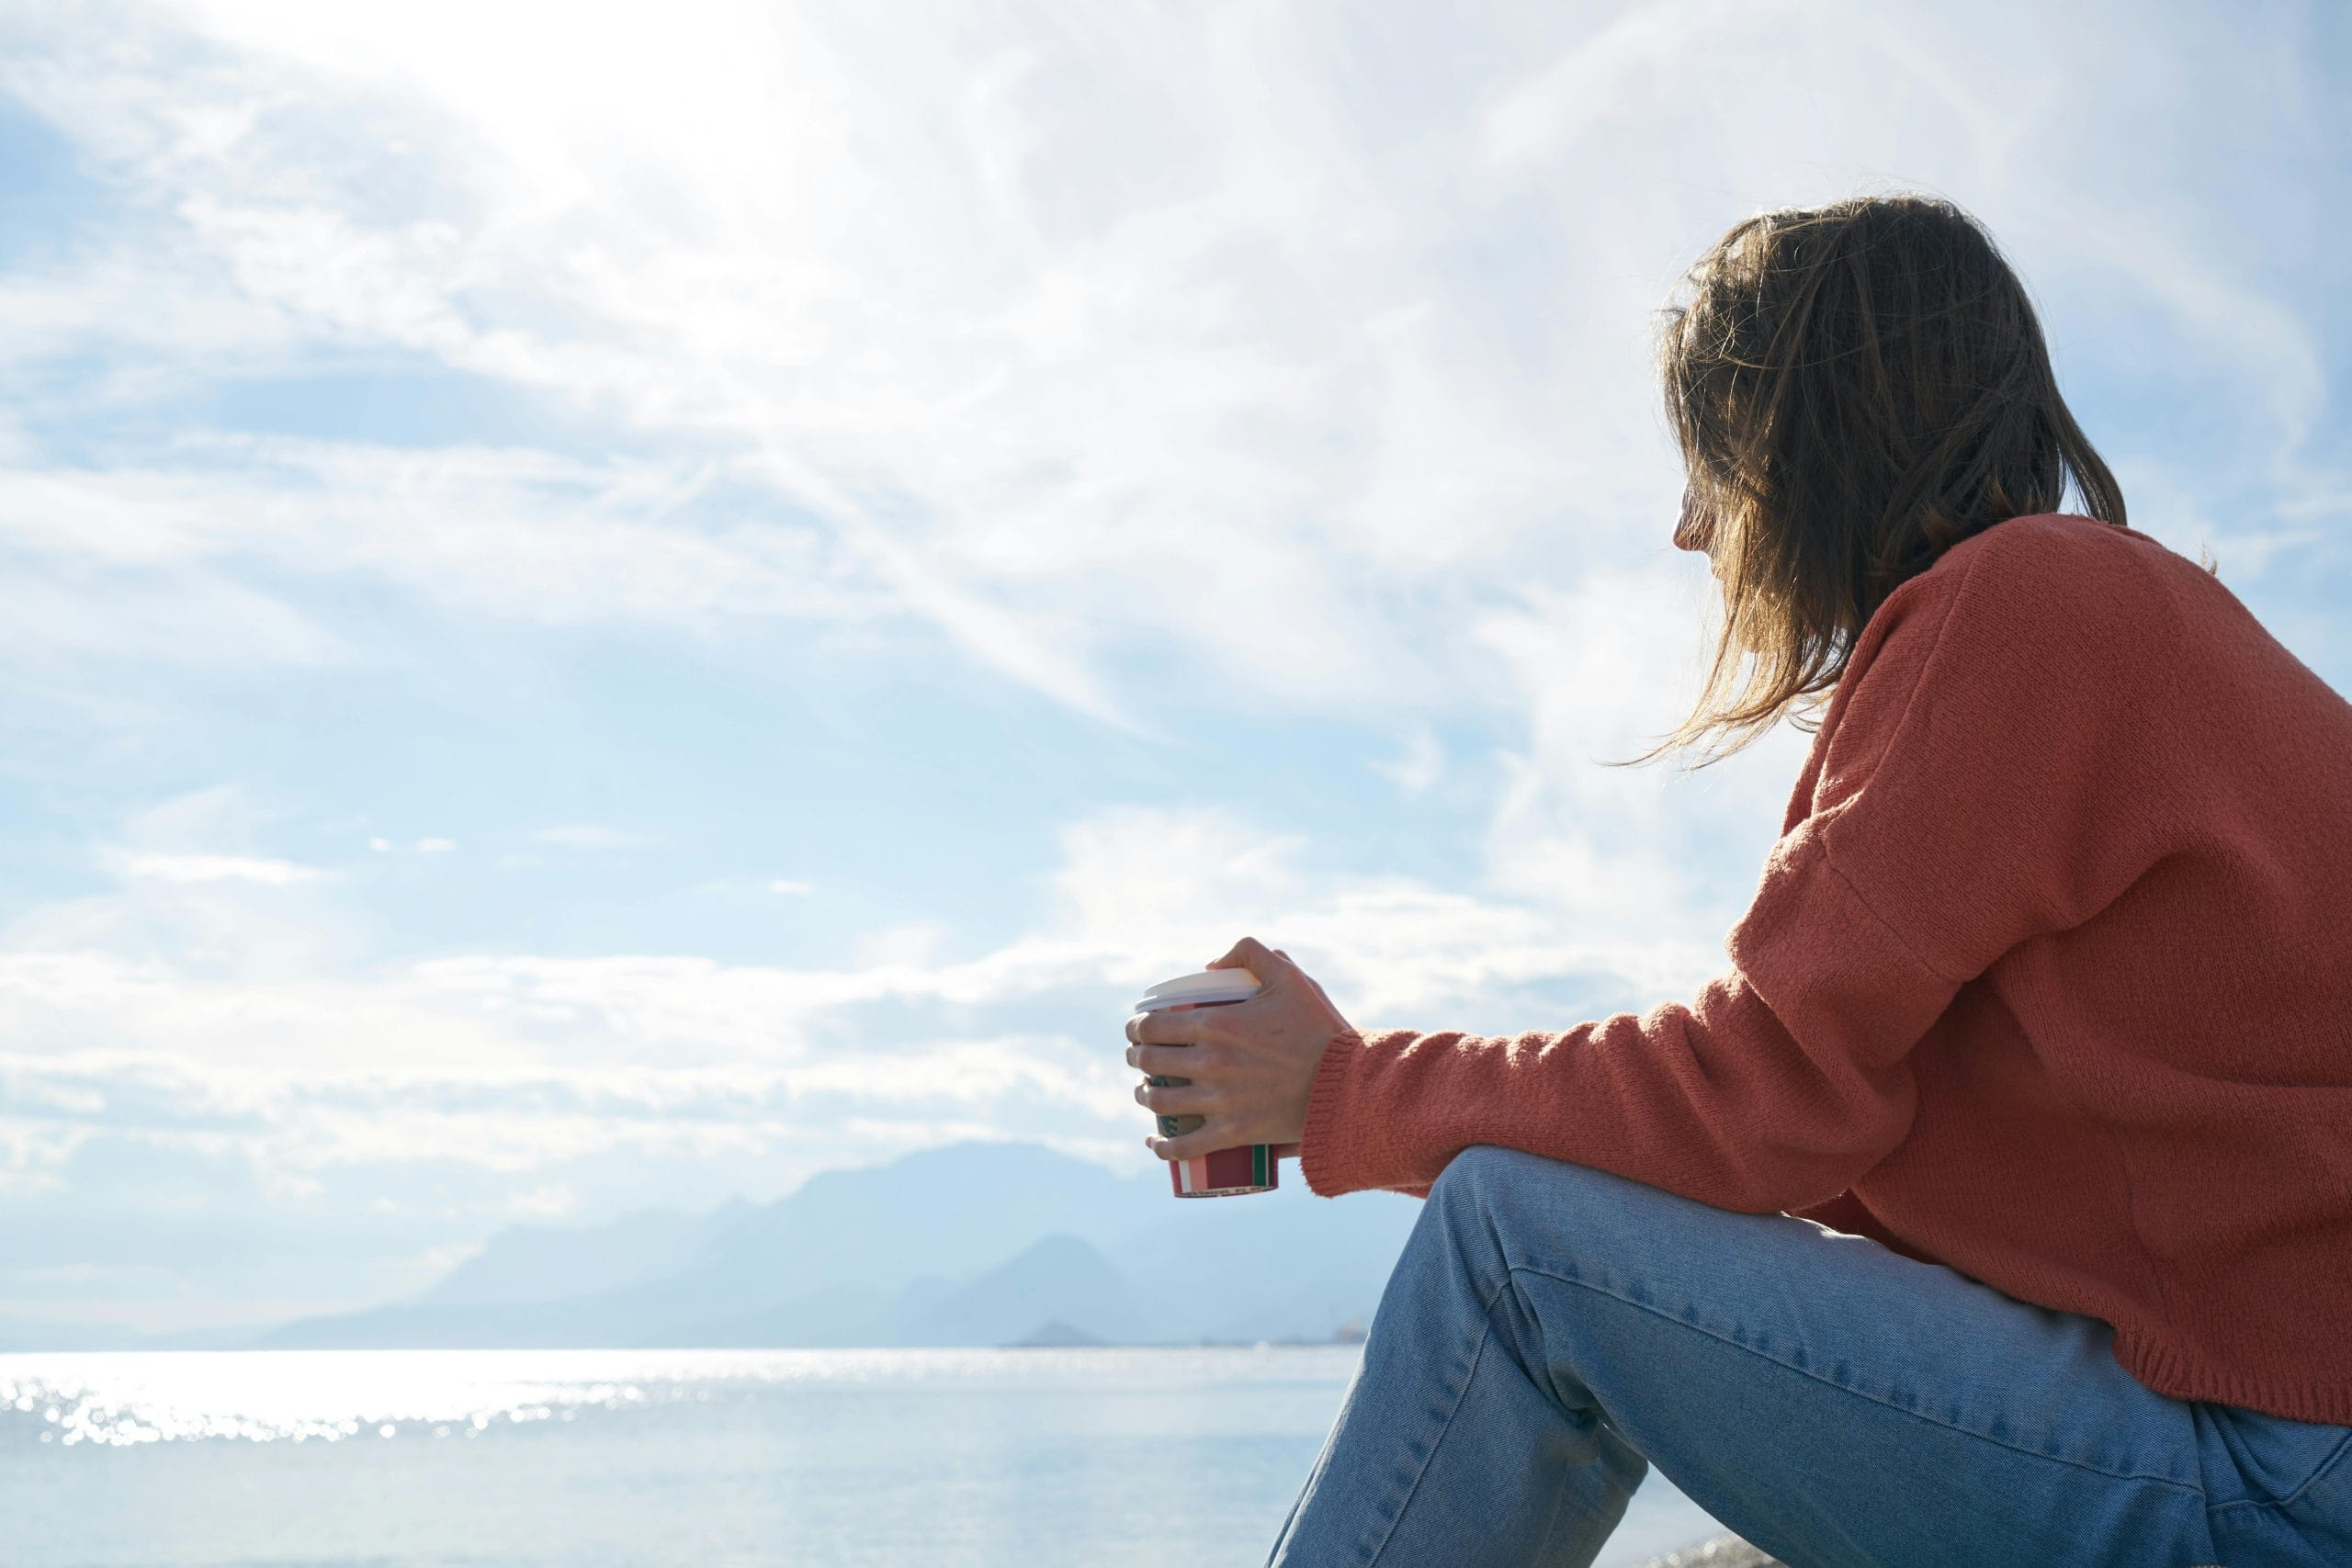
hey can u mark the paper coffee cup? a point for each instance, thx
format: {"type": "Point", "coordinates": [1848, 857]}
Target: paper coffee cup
{"type": "Point", "coordinates": [1222, 1173]}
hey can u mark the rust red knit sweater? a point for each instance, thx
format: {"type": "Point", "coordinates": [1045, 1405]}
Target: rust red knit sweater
{"type": "Point", "coordinates": [2048, 978]}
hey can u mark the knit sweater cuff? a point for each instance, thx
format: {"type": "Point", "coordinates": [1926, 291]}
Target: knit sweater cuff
{"type": "Point", "coordinates": [1341, 1150]}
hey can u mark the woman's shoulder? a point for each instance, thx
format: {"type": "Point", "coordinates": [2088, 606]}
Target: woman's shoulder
{"type": "Point", "coordinates": [2017, 625]}
{"type": "Point", "coordinates": [2051, 536]}
{"type": "Point", "coordinates": [2056, 619]}
{"type": "Point", "coordinates": [2049, 576]}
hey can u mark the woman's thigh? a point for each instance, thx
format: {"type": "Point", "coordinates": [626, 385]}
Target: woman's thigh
{"type": "Point", "coordinates": [1835, 1402]}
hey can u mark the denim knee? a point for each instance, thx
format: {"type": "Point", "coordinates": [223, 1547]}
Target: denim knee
{"type": "Point", "coordinates": [1504, 1182]}
{"type": "Point", "coordinates": [1518, 1201]}
{"type": "Point", "coordinates": [1562, 1217]}
{"type": "Point", "coordinates": [1479, 1182]}
{"type": "Point", "coordinates": [1475, 1169]}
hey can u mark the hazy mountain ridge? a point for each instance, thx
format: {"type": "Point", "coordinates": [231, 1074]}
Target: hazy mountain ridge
{"type": "Point", "coordinates": [526, 1264]}
{"type": "Point", "coordinates": [971, 1244]}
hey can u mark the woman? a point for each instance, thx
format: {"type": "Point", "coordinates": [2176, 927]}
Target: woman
{"type": "Point", "coordinates": [1996, 1206]}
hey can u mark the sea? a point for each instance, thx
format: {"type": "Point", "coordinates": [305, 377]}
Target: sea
{"type": "Point", "coordinates": [578, 1459]}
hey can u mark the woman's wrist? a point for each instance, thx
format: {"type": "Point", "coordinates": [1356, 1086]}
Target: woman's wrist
{"type": "Point", "coordinates": [1324, 1159]}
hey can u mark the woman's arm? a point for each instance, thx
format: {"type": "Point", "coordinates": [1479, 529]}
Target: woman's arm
{"type": "Point", "coordinates": [1723, 1100]}
{"type": "Point", "coordinates": [1994, 768]}
{"type": "Point", "coordinates": [1776, 1087]}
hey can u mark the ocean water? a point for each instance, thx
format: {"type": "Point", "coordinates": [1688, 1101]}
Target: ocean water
{"type": "Point", "coordinates": [571, 1459]}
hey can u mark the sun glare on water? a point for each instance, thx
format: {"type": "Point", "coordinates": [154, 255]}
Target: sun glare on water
{"type": "Point", "coordinates": [327, 1396]}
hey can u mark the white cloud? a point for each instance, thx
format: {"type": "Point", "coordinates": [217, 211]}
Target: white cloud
{"type": "Point", "coordinates": [515, 533]}
{"type": "Point", "coordinates": [190, 617]}
{"type": "Point", "coordinates": [1620, 70]}
{"type": "Point", "coordinates": [918, 943]}
{"type": "Point", "coordinates": [1420, 766]}
{"type": "Point", "coordinates": [552, 1201]}
{"type": "Point", "coordinates": [516, 1060]}
{"type": "Point", "coordinates": [216, 868]}
{"type": "Point", "coordinates": [1014, 445]}
{"type": "Point", "coordinates": [1245, 391]}
{"type": "Point", "coordinates": [791, 886]}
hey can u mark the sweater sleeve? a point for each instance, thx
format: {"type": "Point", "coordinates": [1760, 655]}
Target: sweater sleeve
{"type": "Point", "coordinates": [1954, 804]}
{"type": "Point", "coordinates": [1779, 1084]}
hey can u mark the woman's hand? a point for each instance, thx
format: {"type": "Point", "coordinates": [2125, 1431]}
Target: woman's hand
{"type": "Point", "coordinates": [1250, 1065]}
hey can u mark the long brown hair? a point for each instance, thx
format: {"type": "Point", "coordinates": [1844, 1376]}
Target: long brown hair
{"type": "Point", "coordinates": [1855, 389]}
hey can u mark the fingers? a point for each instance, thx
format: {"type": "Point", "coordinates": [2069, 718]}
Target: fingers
{"type": "Point", "coordinates": [1199, 1141]}
{"type": "Point", "coordinates": [1170, 1029]}
{"type": "Point", "coordinates": [1179, 1099]}
{"type": "Point", "coordinates": [1312, 983]}
{"type": "Point", "coordinates": [1269, 966]}
{"type": "Point", "coordinates": [1262, 962]}
{"type": "Point", "coordinates": [1223, 1058]}
{"type": "Point", "coordinates": [1171, 1061]}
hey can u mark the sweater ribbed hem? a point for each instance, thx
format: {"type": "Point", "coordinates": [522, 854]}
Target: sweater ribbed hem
{"type": "Point", "coordinates": [2169, 1372]}
{"type": "Point", "coordinates": [1317, 1156]}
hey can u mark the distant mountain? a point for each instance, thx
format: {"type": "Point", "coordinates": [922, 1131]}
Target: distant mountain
{"type": "Point", "coordinates": [1058, 1281]}
{"type": "Point", "coordinates": [527, 1264]}
{"type": "Point", "coordinates": [973, 1244]}
{"type": "Point", "coordinates": [945, 1213]}
{"type": "Point", "coordinates": [30, 1333]}
{"type": "Point", "coordinates": [25, 1334]}
{"type": "Point", "coordinates": [1279, 1265]}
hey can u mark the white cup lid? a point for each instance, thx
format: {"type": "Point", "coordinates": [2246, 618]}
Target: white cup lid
{"type": "Point", "coordinates": [1207, 986]}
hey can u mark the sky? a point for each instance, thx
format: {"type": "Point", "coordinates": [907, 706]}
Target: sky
{"type": "Point", "coordinates": [608, 606]}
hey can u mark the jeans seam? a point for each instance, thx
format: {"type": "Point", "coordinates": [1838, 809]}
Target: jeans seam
{"type": "Point", "coordinates": [2325, 1468]}
{"type": "Point", "coordinates": [1855, 1393]}
{"type": "Point", "coordinates": [1469, 1375]}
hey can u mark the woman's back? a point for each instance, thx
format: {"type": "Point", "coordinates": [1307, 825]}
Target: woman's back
{"type": "Point", "coordinates": [2074, 775]}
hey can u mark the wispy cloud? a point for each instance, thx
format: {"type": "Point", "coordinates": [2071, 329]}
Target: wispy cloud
{"type": "Point", "coordinates": [216, 868]}
{"type": "Point", "coordinates": [940, 392]}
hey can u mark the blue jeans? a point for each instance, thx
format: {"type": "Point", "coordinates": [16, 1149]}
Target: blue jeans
{"type": "Point", "coordinates": [1550, 1331]}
